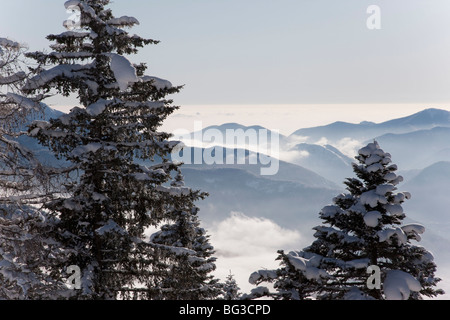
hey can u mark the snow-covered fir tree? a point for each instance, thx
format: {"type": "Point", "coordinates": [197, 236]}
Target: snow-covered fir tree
{"type": "Point", "coordinates": [185, 253]}
{"type": "Point", "coordinates": [105, 212]}
{"type": "Point", "coordinates": [231, 289]}
{"type": "Point", "coordinates": [361, 229]}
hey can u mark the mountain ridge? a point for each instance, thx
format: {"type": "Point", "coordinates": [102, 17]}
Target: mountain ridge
{"type": "Point", "coordinates": [425, 119]}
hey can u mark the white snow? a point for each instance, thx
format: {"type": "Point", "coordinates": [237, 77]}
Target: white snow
{"type": "Point", "coordinates": [399, 198]}
{"type": "Point", "coordinates": [386, 234]}
{"type": "Point", "coordinates": [72, 34]}
{"type": "Point", "coordinates": [110, 226]}
{"type": "Point", "coordinates": [40, 125]}
{"type": "Point", "coordinates": [23, 101]}
{"type": "Point", "coordinates": [65, 119]}
{"type": "Point", "coordinates": [81, 150]}
{"type": "Point", "coordinates": [371, 219]}
{"type": "Point", "coordinates": [379, 152]}
{"type": "Point", "coordinates": [372, 199]}
{"type": "Point", "coordinates": [97, 108]}
{"type": "Point", "coordinates": [366, 151]}
{"type": "Point", "coordinates": [374, 167]}
{"type": "Point", "coordinates": [47, 76]}
{"type": "Point", "coordinates": [384, 188]}
{"type": "Point", "coordinates": [390, 176]}
{"type": "Point", "coordinates": [262, 274]}
{"type": "Point", "coordinates": [414, 227]}
{"type": "Point", "coordinates": [259, 292]}
{"type": "Point", "coordinates": [157, 82]}
{"type": "Point", "coordinates": [9, 44]}
{"type": "Point", "coordinates": [371, 148]}
{"type": "Point", "coordinates": [93, 86]}
{"type": "Point", "coordinates": [178, 251]}
{"type": "Point", "coordinates": [174, 191]}
{"type": "Point", "coordinates": [397, 180]}
{"type": "Point", "coordinates": [71, 3]}
{"type": "Point", "coordinates": [399, 284]}
{"type": "Point", "coordinates": [123, 70]}
{"type": "Point", "coordinates": [414, 230]}
{"type": "Point", "coordinates": [394, 209]}
{"type": "Point", "coordinates": [16, 77]}
{"type": "Point", "coordinates": [123, 21]}
{"type": "Point", "coordinates": [330, 211]}
{"type": "Point", "coordinates": [344, 237]}
{"type": "Point", "coordinates": [307, 267]}
{"type": "Point", "coordinates": [358, 263]}
{"type": "Point", "coordinates": [373, 159]}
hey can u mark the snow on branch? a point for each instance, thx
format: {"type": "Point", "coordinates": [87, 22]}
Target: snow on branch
{"type": "Point", "coordinates": [9, 44]}
{"type": "Point", "coordinates": [46, 77]}
{"type": "Point", "coordinates": [157, 82]}
{"type": "Point", "coordinates": [110, 226]}
{"type": "Point", "coordinates": [23, 101]}
{"type": "Point", "coordinates": [19, 76]}
{"type": "Point", "coordinates": [124, 21]}
{"type": "Point", "coordinates": [123, 70]}
{"type": "Point", "coordinates": [399, 284]}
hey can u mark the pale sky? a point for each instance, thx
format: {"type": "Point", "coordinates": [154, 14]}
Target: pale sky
{"type": "Point", "coordinates": [278, 53]}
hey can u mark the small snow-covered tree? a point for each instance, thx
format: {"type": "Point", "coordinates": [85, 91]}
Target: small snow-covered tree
{"type": "Point", "coordinates": [289, 281]}
{"type": "Point", "coordinates": [230, 288]}
{"type": "Point", "coordinates": [186, 256]}
{"type": "Point", "coordinates": [114, 131]}
{"type": "Point", "coordinates": [361, 228]}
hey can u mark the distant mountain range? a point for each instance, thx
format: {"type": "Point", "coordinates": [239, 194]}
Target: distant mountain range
{"type": "Point", "coordinates": [419, 145]}
{"type": "Point", "coordinates": [418, 149]}
{"type": "Point", "coordinates": [430, 196]}
{"type": "Point", "coordinates": [334, 132]}
{"type": "Point", "coordinates": [286, 171]}
{"type": "Point", "coordinates": [326, 160]}
{"type": "Point", "coordinates": [290, 204]}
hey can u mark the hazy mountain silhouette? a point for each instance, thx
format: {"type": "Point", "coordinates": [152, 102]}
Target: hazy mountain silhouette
{"type": "Point", "coordinates": [334, 132]}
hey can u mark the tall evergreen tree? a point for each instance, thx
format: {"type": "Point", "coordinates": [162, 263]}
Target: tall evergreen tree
{"type": "Point", "coordinates": [186, 251]}
{"type": "Point", "coordinates": [106, 210]}
{"type": "Point", "coordinates": [361, 228]}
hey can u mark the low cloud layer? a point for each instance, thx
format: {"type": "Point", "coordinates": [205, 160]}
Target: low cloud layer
{"type": "Point", "coordinates": [244, 245]}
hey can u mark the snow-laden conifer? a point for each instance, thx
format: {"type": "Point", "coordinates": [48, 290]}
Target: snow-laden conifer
{"type": "Point", "coordinates": [112, 137]}
{"type": "Point", "coordinates": [361, 228]}
{"type": "Point", "coordinates": [230, 289]}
